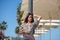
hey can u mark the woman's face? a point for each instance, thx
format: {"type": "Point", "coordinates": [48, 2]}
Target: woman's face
{"type": "Point", "coordinates": [30, 18]}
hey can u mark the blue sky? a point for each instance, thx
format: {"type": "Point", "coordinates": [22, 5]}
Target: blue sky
{"type": "Point", "coordinates": [8, 13]}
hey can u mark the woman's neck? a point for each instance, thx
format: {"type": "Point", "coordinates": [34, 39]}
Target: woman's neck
{"type": "Point", "coordinates": [28, 22]}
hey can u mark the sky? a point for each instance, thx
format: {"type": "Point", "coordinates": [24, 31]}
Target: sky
{"type": "Point", "coordinates": [8, 10]}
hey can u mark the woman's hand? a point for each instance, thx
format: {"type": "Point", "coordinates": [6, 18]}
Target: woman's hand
{"type": "Point", "coordinates": [21, 30]}
{"type": "Point", "coordinates": [39, 17]}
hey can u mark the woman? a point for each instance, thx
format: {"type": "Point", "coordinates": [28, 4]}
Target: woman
{"type": "Point", "coordinates": [28, 27]}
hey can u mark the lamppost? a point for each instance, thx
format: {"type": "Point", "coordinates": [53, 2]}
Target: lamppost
{"type": "Point", "coordinates": [30, 6]}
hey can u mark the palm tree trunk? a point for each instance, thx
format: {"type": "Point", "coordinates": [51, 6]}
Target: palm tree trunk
{"type": "Point", "coordinates": [2, 36]}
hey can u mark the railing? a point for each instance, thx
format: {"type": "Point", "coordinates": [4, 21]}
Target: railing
{"type": "Point", "coordinates": [45, 25]}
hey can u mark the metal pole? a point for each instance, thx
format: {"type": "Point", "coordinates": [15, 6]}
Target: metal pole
{"type": "Point", "coordinates": [50, 17]}
{"type": "Point", "coordinates": [30, 6]}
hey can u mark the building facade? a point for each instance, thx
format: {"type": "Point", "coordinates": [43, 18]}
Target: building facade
{"type": "Point", "coordinates": [48, 9]}
{"type": "Point", "coordinates": [45, 8]}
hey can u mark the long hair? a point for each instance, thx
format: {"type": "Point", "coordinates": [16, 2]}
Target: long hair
{"type": "Point", "coordinates": [26, 19]}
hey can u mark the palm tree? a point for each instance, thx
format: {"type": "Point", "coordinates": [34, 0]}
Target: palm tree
{"type": "Point", "coordinates": [17, 29]}
{"type": "Point", "coordinates": [3, 27]}
{"type": "Point", "coordinates": [19, 18]}
{"type": "Point", "coordinates": [19, 14]}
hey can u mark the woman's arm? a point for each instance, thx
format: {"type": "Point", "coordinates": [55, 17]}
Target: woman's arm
{"type": "Point", "coordinates": [35, 24]}
{"type": "Point", "coordinates": [22, 31]}
{"type": "Point", "coordinates": [38, 20]}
